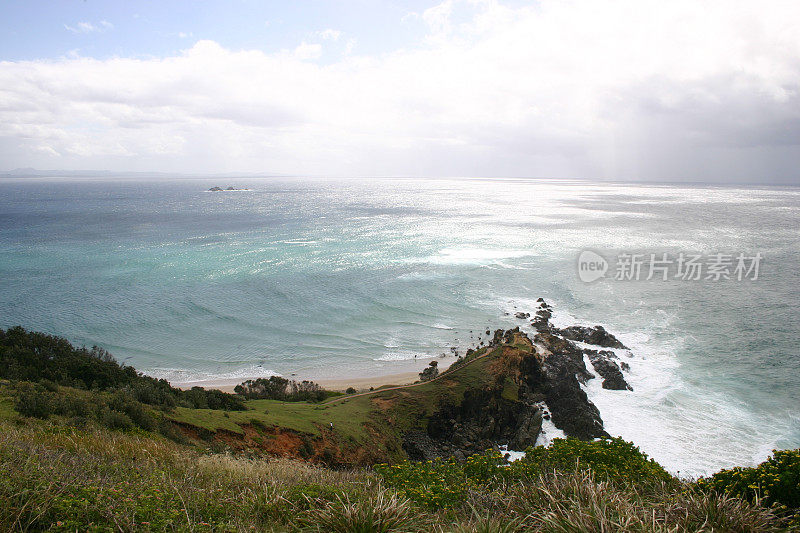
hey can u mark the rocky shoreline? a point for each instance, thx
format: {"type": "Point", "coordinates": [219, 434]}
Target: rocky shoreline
{"type": "Point", "coordinates": [542, 380]}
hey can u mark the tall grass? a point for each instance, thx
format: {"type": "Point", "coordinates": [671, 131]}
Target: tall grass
{"type": "Point", "coordinates": [64, 479]}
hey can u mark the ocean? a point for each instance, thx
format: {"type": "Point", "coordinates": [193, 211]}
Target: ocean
{"type": "Point", "coordinates": [363, 277]}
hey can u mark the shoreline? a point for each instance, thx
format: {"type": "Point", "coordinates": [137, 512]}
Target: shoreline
{"type": "Point", "coordinates": [333, 384]}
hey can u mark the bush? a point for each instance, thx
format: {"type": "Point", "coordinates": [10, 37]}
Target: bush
{"type": "Point", "coordinates": [278, 388]}
{"type": "Point", "coordinates": [115, 420]}
{"type": "Point", "coordinates": [34, 403]}
{"type": "Point", "coordinates": [614, 459]}
{"type": "Point", "coordinates": [775, 482]}
{"type": "Point", "coordinates": [433, 484]}
{"type": "Point", "coordinates": [445, 483]}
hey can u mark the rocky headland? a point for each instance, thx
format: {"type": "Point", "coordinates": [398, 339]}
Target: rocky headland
{"type": "Point", "coordinates": [533, 380]}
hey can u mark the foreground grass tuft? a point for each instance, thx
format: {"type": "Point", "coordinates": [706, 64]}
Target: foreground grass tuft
{"type": "Point", "coordinates": [382, 513]}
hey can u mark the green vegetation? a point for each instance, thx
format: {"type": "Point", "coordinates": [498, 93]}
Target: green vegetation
{"type": "Point", "coordinates": [348, 418]}
{"type": "Point", "coordinates": [775, 482]}
{"type": "Point", "coordinates": [441, 484]}
{"type": "Point", "coordinates": [83, 448]}
{"type": "Point", "coordinates": [60, 478]}
{"type": "Point", "coordinates": [49, 360]}
{"type": "Point", "coordinates": [278, 388]}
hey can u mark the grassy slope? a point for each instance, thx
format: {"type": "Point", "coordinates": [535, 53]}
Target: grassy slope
{"type": "Point", "coordinates": [59, 478]}
{"type": "Point", "coordinates": [377, 419]}
{"type": "Point", "coordinates": [374, 422]}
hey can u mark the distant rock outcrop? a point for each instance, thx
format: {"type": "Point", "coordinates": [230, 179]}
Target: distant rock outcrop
{"type": "Point", "coordinates": [219, 189]}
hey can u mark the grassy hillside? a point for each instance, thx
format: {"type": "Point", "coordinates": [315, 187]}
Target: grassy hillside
{"type": "Point", "coordinates": [124, 452]}
{"type": "Point", "coordinates": [366, 427]}
{"type": "Point", "coordinates": [60, 478]}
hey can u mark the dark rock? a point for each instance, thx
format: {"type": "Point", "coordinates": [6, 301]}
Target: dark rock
{"type": "Point", "coordinates": [545, 384]}
{"type": "Point", "coordinates": [529, 428]}
{"type": "Point", "coordinates": [571, 410]}
{"type": "Point", "coordinates": [522, 316]}
{"type": "Point", "coordinates": [420, 447]}
{"type": "Point", "coordinates": [430, 372]}
{"type": "Point", "coordinates": [566, 356]}
{"type": "Point", "coordinates": [608, 369]}
{"type": "Point", "coordinates": [596, 335]}
{"type": "Point", "coordinates": [542, 319]}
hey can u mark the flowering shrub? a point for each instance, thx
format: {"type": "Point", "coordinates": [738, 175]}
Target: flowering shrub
{"type": "Point", "coordinates": [444, 483]}
{"type": "Point", "coordinates": [612, 459]}
{"type": "Point", "coordinates": [775, 482]}
{"type": "Point", "coordinates": [434, 484]}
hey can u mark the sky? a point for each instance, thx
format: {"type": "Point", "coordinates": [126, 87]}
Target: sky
{"type": "Point", "coordinates": [615, 89]}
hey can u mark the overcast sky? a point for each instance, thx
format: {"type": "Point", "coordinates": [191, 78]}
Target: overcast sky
{"type": "Point", "coordinates": [632, 89]}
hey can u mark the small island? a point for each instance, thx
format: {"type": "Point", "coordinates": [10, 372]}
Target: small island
{"type": "Point", "coordinates": [220, 189]}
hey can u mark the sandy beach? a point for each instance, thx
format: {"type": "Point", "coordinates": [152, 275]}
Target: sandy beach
{"type": "Point", "coordinates": [336, 384]}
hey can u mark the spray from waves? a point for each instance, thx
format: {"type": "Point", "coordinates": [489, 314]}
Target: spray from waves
{"type": "Point", "coordinates": [180, 375]}
{"type": "Point", "coordinates": [688, 428]}
{"type": "Point", "coordinates": [403, 355]}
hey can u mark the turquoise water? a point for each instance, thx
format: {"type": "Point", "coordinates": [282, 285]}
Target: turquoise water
{"type": "Point", "coordinates": [356, 277]}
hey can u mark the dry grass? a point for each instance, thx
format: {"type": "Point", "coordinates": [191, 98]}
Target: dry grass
{"type": "Point", "coordinates": [65, 479]}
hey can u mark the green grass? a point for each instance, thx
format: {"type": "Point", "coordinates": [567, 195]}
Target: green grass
{"type": "Point", "coordinates": [349, 417]}
{"type": "Point", "coordinates": [373, 419]}
{"type": "Point", "coordinates": [412, 406]}
{"type": "Point", "coordinates": [510, 390]}
{"type": "Point", "coordinates": [7, 411]}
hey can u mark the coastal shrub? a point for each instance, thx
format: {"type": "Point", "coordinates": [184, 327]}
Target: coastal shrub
{"type": "Point", "coordinates": [200, 398]}
{"type": "Point", "coordinates": [34, 403]}
{"type": "Point", "coordinates": [53, 361]}
{"type": "Point", "coordinates": [775, 482]}
{"type": "Point", "coordinates": [351, 390]}
{"type": "Point", "coordinates": [430, 372]}
{"type": "Point", "coordinates": [57, 478]}
{"type": "Point", "coordinates": [445, 483]}
{"type": "Point", "coordinates": [433, 484]}
{"type": "Point", "coordinates": [118, 410]}
{"type": "Point", "coordinates": [282, 389]}
{"type": "Point", "coordinates": [614, 459]}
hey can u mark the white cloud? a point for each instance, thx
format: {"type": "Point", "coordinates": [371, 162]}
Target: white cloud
{"type": "Point", "coordinates": [329, 34]}
{"type": "Point", "coordinates": [88, 27]}
{"type": "Point", "coordinates": [625, 88]}
{"type": "Point", "coordinates": [308, 51]}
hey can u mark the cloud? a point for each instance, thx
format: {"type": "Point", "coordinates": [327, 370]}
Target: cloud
{"type": "Point", "coordinates": [308, 51]}
{"type": "Point", "coordinates": [329, 34]}
{"type": "Point", "coordinates": [627, 88]}
{"type": "Point", "coordinates": [88, 27]}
